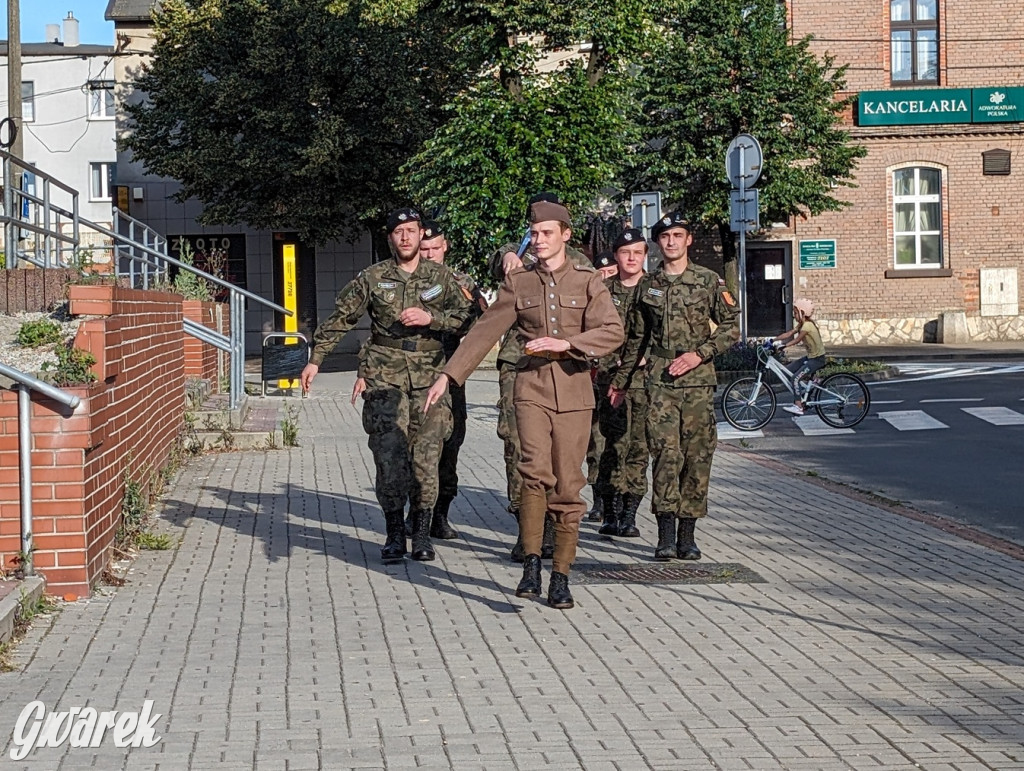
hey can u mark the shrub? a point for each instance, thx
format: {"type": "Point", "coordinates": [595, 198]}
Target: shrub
{"type": "Point", "coordinates": [72, 367]}
{"type": "Point", "coordinates": [33, 334]}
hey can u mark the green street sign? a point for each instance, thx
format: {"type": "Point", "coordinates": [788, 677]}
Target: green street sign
{"type": "Point", "coordinates": [998, 105]}
{"type": "Point", "coordinates": [820, 253]}
{"type": "Point", "coordinates": [914, 107]}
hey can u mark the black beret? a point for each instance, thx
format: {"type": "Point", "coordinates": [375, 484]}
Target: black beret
{"type": "Point", "coordinates": [400, 217]}
{"type": "Point", "coordinates": [431, 229]}
{"type": "Point", "coordinates": [671, 220]}
{"type": "Point", "coordinates": [627, 237]}
{"type": "Point", "coordinates": [604, 260]}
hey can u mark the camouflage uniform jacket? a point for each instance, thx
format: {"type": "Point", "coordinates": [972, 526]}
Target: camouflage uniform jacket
{"type": "Point", "coordinates": [511, 350]}
{"type": "Point", "coordinates": [623, 297]}
{"type": "Point", "coordinates": [672, 316]}
{"type": "Point", "coordinates": [406, 357]}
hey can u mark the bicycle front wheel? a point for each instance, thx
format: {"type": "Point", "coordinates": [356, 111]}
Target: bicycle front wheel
{"type": "Point", "coordinates": [745, 411]}
{"type": "Point", "coordinates": [842, 400]}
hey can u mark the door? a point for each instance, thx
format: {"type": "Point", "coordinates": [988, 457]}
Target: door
{"type": "Point", "coordinates": [769, 288]}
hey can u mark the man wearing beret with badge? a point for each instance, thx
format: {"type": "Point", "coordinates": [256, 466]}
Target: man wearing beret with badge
{"type": "Point", "coordinates": [622, 471]}
{"type": "Point", "coordinates": [671, 324]}
{"type": "Point", "coordinates": [411, 303]}
{"type": "Point", "coordinates": [565, 318]}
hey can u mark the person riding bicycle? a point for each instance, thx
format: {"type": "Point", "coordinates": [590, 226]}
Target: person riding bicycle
{"type": "Point", "coordinates": [806, 332]}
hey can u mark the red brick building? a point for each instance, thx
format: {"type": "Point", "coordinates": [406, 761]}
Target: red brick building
{"type": "Point", "coordinates": [931, 247]}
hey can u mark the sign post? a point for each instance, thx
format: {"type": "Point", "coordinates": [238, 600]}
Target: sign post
{"type": "Point", "coordinates": [743, 161]}
{"type": "Point", "coordinates": [645, 208]}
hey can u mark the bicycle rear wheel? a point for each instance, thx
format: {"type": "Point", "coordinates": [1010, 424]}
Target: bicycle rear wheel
{"type": "Point", "coordinates": [842, 400]}
{"type": "Point", "coordinates": [742, 410]}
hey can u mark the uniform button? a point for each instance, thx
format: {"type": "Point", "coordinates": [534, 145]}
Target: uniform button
{"type": "Point", "coordinates": [552, 307]}
{"type": "Point", "coordinates": [551, 283]}
{"type": "Point", "coordinates": [551, 296]}
{"type": "Point", "coordinates": [573, 302]}
{"type": "Point", "coordinates": [553, 318]}
{"type": "Point", "coordinates": [554, 331]}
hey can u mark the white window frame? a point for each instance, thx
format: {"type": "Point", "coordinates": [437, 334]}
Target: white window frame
{"type": "Point", "coordinates": [97, 106]}
{"type": "Point", "coordinates": [28, 105]}
{"type": "Point", "coordinates": [104, 188]}
{"type": "Point", "coordinates": [917, 199]}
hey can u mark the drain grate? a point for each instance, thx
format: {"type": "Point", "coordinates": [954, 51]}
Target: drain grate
{"type": "Point", "coordinates": [667, 573]}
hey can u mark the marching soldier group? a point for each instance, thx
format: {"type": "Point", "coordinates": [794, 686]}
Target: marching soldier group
{"type": "Point", "coordinates": [626, 360]}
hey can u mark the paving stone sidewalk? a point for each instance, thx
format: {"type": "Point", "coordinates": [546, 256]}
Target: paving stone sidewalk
{"type": "Point", "coordinates": [273, 637]}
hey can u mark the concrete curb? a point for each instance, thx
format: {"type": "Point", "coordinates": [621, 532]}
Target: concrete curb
{"type": "Point", "coordinates": [31, 588]}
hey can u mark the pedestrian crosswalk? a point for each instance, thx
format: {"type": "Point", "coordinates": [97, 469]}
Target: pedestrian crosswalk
{"type": "Point", "coordinates": [910, 372]}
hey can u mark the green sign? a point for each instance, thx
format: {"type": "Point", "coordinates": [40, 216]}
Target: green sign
{"type": "Point", "coordinates": [914, 107]}
{"type": "Point", "coordinates": [998, 105]}
{"type": "Point", "coordinates": [818, 254]}
{"type": "Point", "coordinates": [903, 108]}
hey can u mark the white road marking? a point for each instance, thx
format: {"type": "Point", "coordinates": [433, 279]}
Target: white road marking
{"type": "Point", "coordinates": [894, 401]}
{"type": "Point", "coordinates": [997, 416]}
{"type": "Point", "coordinates": [920, 371]}
{"type": "Point", "coordinates": [911, 420]}
{"type": "Point", "coordinates": [812, 425]}
{"type": "Point", "coordinates": [726, 431]}
{"type": "Point", "coordinates": [941, 401]}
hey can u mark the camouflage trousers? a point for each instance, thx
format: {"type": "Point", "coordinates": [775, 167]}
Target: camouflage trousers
{"type": "Point", "coordinates": [623, 466]}
{"type": "Point", "coordinates": [682, 436]}
{"type": "Point", "coordinates": [509, 433]}
{"type": "Point", "coordinates": [406, 444]}
{"type": "Point", "coordinates": [596, 446]}
{"type": "Point", "coordinates": [448, 466]}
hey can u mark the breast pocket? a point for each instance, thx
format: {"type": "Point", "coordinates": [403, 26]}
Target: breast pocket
{"type": "Point", "coordinates": [572, 307]}
{"type": "Point", "coordinates": [530, 311]}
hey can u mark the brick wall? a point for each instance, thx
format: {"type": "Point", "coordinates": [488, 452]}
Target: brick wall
{"type": "Point", "coordinates": [124, 428]}
{"type": "Point", "coordinates": [202, 360]}
{"type": "Point", "coordinates": [35, 291]}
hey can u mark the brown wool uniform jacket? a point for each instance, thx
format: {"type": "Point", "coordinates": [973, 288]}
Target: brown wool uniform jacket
{"type": "Point", "coordinates": [571, 303]}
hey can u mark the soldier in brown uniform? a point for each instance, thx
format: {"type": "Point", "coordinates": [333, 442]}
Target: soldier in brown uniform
{"type": "Point", "coordinates": [411, 303]}
{"type": "Point", "coordinates": [565, 317]}
{"type": "Point", "coordinates": [672, 320]}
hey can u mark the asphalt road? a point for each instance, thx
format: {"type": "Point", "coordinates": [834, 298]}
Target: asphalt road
{"type": "Point", "coordinates": [970, 470]}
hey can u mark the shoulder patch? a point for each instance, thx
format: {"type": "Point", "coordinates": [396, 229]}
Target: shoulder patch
{"type": "Point", "coordinates": [728, 297]}
{"type": "Point", "coordinates": [466, 293]}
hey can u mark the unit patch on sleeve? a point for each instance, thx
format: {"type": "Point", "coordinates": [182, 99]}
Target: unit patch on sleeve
{"type": "Point", "coordinates": [430, 294]}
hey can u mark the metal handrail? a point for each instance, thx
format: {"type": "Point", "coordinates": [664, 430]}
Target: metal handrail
{"type": "Point", "coordinates": [25, 384]}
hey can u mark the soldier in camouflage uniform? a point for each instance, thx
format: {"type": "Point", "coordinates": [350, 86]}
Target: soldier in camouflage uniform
{"type": "Point", "coordinates": [505, 259]}
{"type": "Point", "coordinates": [672, 321]}
{"type": "Point", "coordinates": [605, 265]}
{"type": "Point", "coordinates": [411, 302]}
{"type": "Point", "coordinates": [622, 479]}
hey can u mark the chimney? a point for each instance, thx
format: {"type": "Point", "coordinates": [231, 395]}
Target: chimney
{"type": "Point", "coordinates": [70, 31]}
{"type": "Point", "coordinates": [52, 33]}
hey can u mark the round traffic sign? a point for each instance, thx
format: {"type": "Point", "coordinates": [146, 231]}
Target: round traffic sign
{"type": "Point", "coordinates": [749, 171]}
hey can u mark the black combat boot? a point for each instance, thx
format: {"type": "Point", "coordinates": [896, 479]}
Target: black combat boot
{"type": "Point", "coordinates": [547, 548]}
{"type": "Point", "coordinates": [530, 585]}
{"type": "Point", "coordinates": [422, 549]}
{"type": "Point", "coordinates": [686, 547]}
{"type": "Point", "coordinates": [612, 514]}
{"type": "Point", "coordinates": [558, 592]}
{"type": "Point", "coordinates": [394, 546]}
{"type": "Point", "coordinates": [410, 524]}
{"type": "Point", "coordinates": [627, 520]}
{"type": "Point", "coordinates": [439, 527]}
{"type": "Point", "coordinates": [518, 552]}
{"type": "Point", "coordinates": [666, 550]}
{"type": "Point", "coordinates": [597, 513]}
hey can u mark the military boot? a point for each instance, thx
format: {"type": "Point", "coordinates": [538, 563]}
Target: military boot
{"type": "Point", "coordinates": [422, 549]}
{"type": "Point", "coordinates": [612, 514]}
{"type": "Point", "coordinates": [597, 513]}
{"type": "Point", "coordinates": [558, 592]}
{"type": "Point", "coordinates": [627, 520]}
{"type": "Point", "coordinates": [394, 546]}
{"type": "Point", "coordinates": [666, 550]}
{"type": "Point", "coordinates": [547, 548]}
{"type": "Point", "coordinates": [686, 547]}
{"type": "Point", "coordinates": [530, 585]}
{"type": "Point", "coordinates": [439, 527]}
{"type": "Point", "coordinates": [410, 524]}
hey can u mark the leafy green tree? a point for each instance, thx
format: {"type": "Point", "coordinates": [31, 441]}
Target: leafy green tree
{"type": "Point", "coordinates": [726, 67]}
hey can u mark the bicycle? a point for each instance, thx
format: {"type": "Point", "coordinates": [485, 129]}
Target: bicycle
{"type": "Point", "coordinates": [841, 400]}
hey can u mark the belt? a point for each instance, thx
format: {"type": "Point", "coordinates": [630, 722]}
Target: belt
{"type": "Point", "coordinates": [407, 344]}
{"type": "Point", "coordinates": [551, 355]}
{"type": "Point", "coordinates": [665, 353]}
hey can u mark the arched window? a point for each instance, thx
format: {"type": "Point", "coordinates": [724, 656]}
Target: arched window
{"type": "Point", "coordinates": [914, 31]}
{"type": "Point", "coordinates": [917, 217]}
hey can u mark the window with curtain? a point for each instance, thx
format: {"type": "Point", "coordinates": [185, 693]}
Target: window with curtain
{"type": "Point", "coordinates": [914, 33]}
{"type": "Point", "coordinates": [917, 218]}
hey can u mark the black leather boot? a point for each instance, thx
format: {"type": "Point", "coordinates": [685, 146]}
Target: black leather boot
{"type": "Point", "coordinates": [547, 549]}
{"type": "Point", "coordinates": [439, 527]}
{"type": "Point", "coordinates": [410, 524]}
{"type": "Point", "coordinates": [422, 549]}
{"type": "Point", "coordinates": [518, 552]}
{"type": "Point", "coordinates": [612, 514]}
{"type": "Point", "coordinates": [394, 546]}
{"type": "Point", "coordinates": [686, 547]}
{"type": "Point", "coordinates": [558, 592]}
{"type": "Point", "coordinates": [666, 549]}
{"type": "Point", "coordinates": [530, 585]}
{"type": "Point", "coordinates": [627, 520]}
{"type": "Point", "coordinates": [597, 513]}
